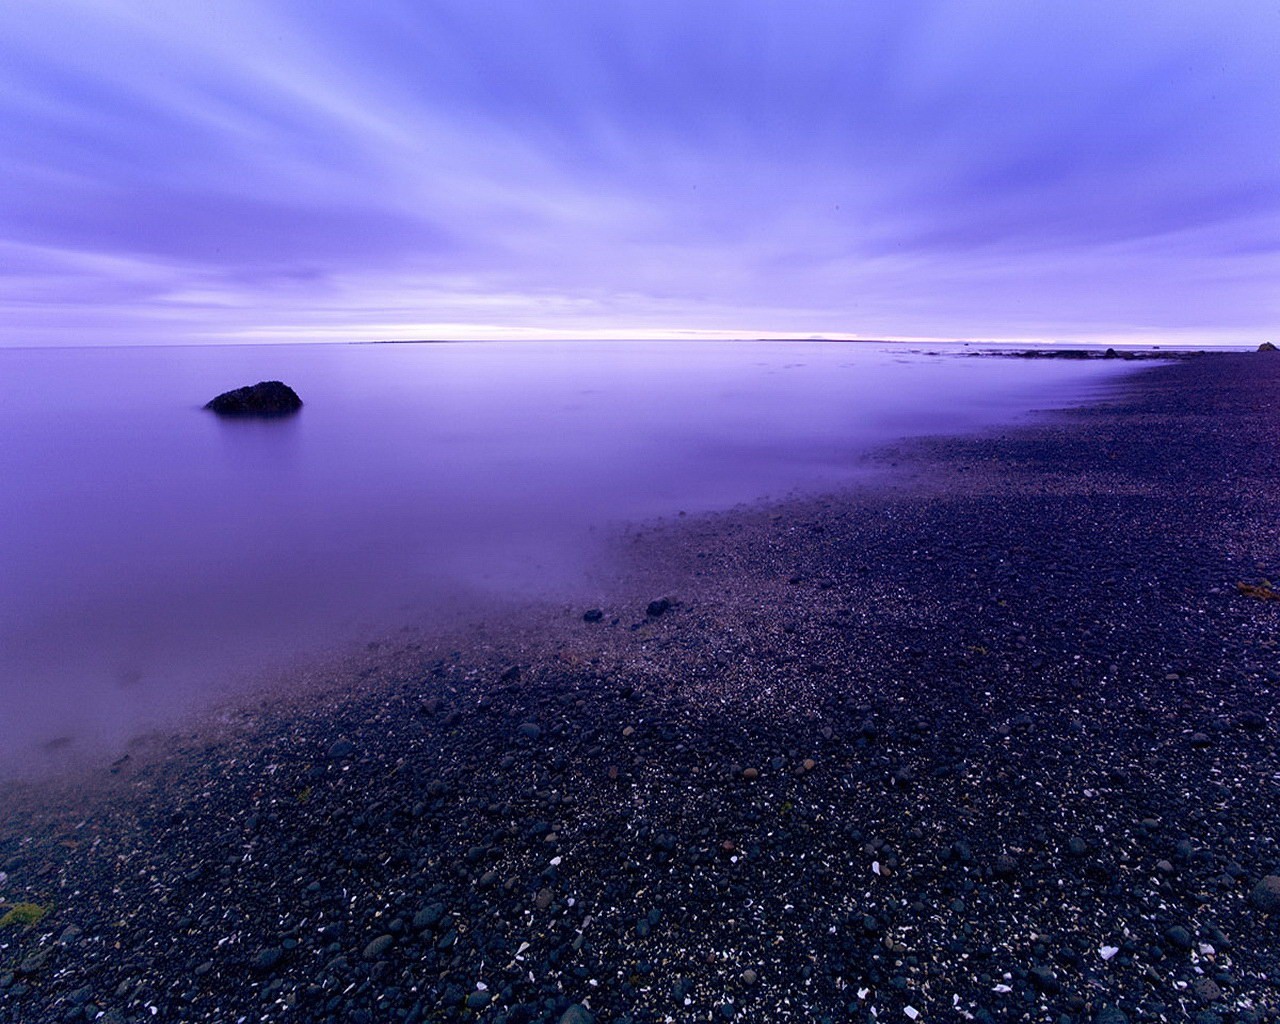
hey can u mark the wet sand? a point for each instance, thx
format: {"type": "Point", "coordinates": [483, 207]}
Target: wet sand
{"type": "Point", "coordinates": [996, 741]}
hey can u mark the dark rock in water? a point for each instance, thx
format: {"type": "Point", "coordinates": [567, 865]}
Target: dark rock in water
{"type": "Point", "coordinates": [659, 607]}
{"type": "Point", "coordinates": [592, 615]}
{"type": "Point", "coordinates": [1111, 354]}
{"type": "Point", "coordinates": [1267, 346]}
{"type": "Point", "coordinates": [266, 398]}
{"type": "Point", "coordinates": [577, 1014]}
{"type": "Point", "coordinates": [1266, 895]}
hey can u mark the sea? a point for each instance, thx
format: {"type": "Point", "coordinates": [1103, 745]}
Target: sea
{"type": "Point", "coordinates": [156, 560]}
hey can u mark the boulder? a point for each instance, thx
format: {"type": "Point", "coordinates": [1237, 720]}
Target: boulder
{"type": "Point", "coordinates": [266, 398]}
{"type": "Point", "coordinates": [1267, 346]}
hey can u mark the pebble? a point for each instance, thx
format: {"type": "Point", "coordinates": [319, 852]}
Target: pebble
{"type": "Point", "coordinates": [378, 946]}
{"type": "Point", "coordinates": [1266, 895]}
{"type": "Point", "coordinates": [268, 958]}
{"type": "Point", "coordinates": [1178, 937]}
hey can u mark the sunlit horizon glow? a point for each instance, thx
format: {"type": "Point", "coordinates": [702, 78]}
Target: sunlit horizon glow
{"type": "Point", "coordinates": [985, 170]}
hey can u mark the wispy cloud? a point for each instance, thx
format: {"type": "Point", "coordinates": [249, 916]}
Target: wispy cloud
{"type": "Point", "coordinates": [989, 169]}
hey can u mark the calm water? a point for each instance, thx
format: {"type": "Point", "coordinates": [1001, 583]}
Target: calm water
{"type": "Point", "coordinates": [150, 554]}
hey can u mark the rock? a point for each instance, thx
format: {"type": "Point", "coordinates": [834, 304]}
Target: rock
{"type": "Point", "coordinates": [1005, 866]}
{"type": "Point", "coordinates": [1110, 1015]}
{"type": "Point", "coordinates": [428, 917]}
{"type": "Point", "coordinates": [1266, 346]}
{"type": "Point", "coordinates": [266, 398]}
{"type": "Point", "coordinates": [34, 961]}
{"type": "Point", "coordinates": [70, 934]}
{"type": "Point", "coordinates": [378, 946]}
{"type": "Point", "coordinates": [1077, 847]}
{"type": "Point", "coordinates": [478, 1000]}
{"type": "Point", "coordinates": [1044, 980]}
{"type": "Point", "coordinates": [1178, 937]}
{"type": "Point", "coordinates": [1111, 354]}
{"type": "Point", "coordinates": [529, 730]}
{"type": "Point", "coordinates": [267, 959]}
{"type": "Point", "coordinates": [1205, 989]}
{"type": "Point", "coordinates": [577, 1014]}
{"type": "Point", "coordinates": [658, 607]}
{"type": "Point", "coordinates": [592, 615]}
{"type": "Point", "coordinates": [341, 749]}
{"type": "Point", "coordinates": [749, 977]}
{"type": "Point", "coordinates": [1266, 895]}
{"type": "Point", "coordinates": [751, 773]}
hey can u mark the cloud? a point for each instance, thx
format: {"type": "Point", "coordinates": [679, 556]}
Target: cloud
{"type": "Point", "coordinates": [949, 169]}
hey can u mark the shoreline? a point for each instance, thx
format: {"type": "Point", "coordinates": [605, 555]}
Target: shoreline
{"type": "Point", "coordinates": [903, 749]}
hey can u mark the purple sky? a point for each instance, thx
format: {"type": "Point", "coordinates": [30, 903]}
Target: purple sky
{"type": "Point", "coordinates": [981, 169]}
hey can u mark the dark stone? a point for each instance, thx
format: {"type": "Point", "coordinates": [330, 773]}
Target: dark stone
{"type": "Point", "coordinates": [1267, 346]}
{"type": "Point", "coordinates": [1205, 989]}
{"type": "Point", "coordinates": [592, 615]}
{"type": "Point", "coordinates": [1266, 895]}
{"type": "Point", "coordinates": [266, 398]}
{"type": "Point", "coordinates": [529, 730]}
{"type": "Point", "coordinates": [1044, 980]}
{"type": "Point", "coordinates": [1178, 937]}
{"type": "Point", "coordinates": [658, 607]}
{"type": "Point", "coordinates": [577, 1014]}
{"type": "Point", "coordinates": [267, 959]}
{"type": "Point", "coordinates": [341, 749]}
{"type": "Point", "coordinates": [1005, 866]}
{"type": "Point", "coordinates": [378, 946]}
{"type": "Point", "coordinates": [428, 917]}
{"type": "Point", "coordinates": [1110, 1015]}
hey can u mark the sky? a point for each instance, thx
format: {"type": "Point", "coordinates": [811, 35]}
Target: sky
{"type": "Point", "coordinates": [1081, 170]}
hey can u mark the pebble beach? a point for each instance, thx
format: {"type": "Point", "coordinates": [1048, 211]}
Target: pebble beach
{"type": "Point", "coordinates": [994, 739]}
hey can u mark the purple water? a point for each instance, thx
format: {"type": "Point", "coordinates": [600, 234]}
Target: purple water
{"type": "Point", "coordinates": [152, 554]}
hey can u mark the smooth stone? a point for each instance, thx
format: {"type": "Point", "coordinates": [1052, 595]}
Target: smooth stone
{"type": "Point", "coordinates": [378, 946]}
{"type": "Point", "coordinates": [1266, 895]}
